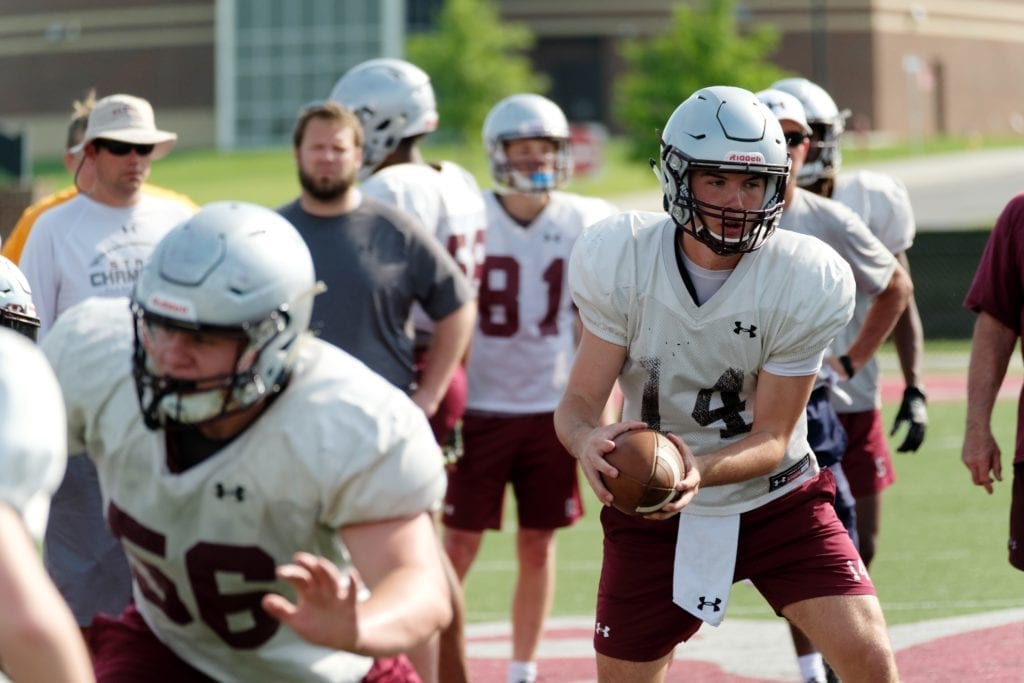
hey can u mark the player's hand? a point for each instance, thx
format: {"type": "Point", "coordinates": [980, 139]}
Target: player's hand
{"type": "Point", "coordinates": [325, 610]}
{"type": "Point", "coordinates": [590, 453]}
{"type": "Point", "coordinates": [982, 457]}
{"type": "Point", "coordinates": [688, 485]}
{"type": "Point", "coordinates": [914, 411]}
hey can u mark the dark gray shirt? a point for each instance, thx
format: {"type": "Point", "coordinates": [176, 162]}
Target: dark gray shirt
{"type": "Point", "coordinates": [376, 261]}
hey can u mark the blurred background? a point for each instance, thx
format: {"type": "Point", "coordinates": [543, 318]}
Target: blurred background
{"type": "Point", "coordinates": [926, 79]}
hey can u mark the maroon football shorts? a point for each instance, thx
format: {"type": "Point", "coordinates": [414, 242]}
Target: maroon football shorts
{"type": "Point", "coordinates": [125, 650]}
{"type": "Point", "coordinates": [792, 549]}
{"type": "Point", "coordinates": [523, 450]}
{"type": "Point", "coordinates": [867, 463]}
{"type": "Point", "coordinates": [1016, 543]}
{"type": "Point", "coordinates": [452, 405]}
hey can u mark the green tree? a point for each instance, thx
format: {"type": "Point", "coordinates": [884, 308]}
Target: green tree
{"type": "Point", "coordinates": [473, 60]}
{"type": "Point", "coordinates": [702, 46]}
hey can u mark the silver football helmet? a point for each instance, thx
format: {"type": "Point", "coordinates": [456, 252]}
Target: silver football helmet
{"type": "Point", "coordinates": [827, 125]}
{"type": "Point", "coordinates": [726, 129]}
{"type": "Point", "coordinates": [232, 268]}
{"type": "Point", "coordinates": [393, 100]}
{"type": "Point", "coordinates": [16, 308]}
{"type": "Point", "coordinates": [524, 116]}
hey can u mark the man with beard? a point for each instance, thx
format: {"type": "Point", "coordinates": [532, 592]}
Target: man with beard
{"type": "Point", "coordinates": [376, 261]}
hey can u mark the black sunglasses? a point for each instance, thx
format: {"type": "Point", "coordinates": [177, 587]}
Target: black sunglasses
{"type": "Point", "coordinates": [795, 139]}
{"type": "Point", "coordinates": [120, 149]}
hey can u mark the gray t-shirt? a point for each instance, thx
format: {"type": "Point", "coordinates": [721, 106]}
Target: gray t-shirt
{"type": "Point", "coordinates": [376, 261]}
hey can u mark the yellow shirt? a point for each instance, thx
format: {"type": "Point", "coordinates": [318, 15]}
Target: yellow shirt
{"type": "Point", "coordinates": [15, 242]}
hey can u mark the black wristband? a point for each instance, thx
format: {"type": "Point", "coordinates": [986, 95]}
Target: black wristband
{"type": "Point", "coordinates": [847, 364]}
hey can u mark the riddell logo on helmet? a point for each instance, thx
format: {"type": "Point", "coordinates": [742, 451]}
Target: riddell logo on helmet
{"type": "Point", "coordinates": [180, 309]}
{"type": "Point", "coordinates": [745, 157]}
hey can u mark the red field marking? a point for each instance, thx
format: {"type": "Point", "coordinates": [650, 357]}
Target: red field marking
{"type": "Point", "coordinates": [988, 654]}
{"type": "Point", "coordinates": [944, 388]}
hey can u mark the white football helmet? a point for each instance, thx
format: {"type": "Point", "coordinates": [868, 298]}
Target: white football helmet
{"type": "Point", "coordinates": [232, 268]}
{"type": "Point", "coordinates": [527, 116]}
{"type": "Point", "coordinates": [16, 308]}
{"type": "Point", "coordinates": [393, 100]}
{"type": "Point", "coordinates": [825, 157]}
{"type": "Point", "coordinates": [725, 129]}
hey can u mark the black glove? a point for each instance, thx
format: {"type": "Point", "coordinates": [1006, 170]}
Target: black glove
{"type": "Point", "coordinates": [914, 411]}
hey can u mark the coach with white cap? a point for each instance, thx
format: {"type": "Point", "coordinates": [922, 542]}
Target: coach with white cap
{"type": "Point", "coordinates": [95, 245]}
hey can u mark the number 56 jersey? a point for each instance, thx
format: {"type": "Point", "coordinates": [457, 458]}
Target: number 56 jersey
{"type": "Point", "coordinates": [692, 369]}
{"type": "Point", "coordinates": [339, 446]}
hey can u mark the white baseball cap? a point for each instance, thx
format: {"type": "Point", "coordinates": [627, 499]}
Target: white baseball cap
{"type": "Point", "coordinates": [126, 118]}
{"type": "Point", "coordinates": [786, 107]}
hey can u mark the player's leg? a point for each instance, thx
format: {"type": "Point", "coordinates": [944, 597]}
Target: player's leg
{"type": "Point", "coordinates": [535, 590]}
{"type": "Point", "coordinates": [799, 556]}
{"type": "Point", "coordinates": [610, 670]}
{"type": "Point", "coordinates": [1016, 543]}
{"type": "Point", "coordinates": [869, 522]}
{"type": "Point", "coordinates": [546, 485]}
{"type": "Point", "coordinates": [850, 631]}
{"type": "Point", "coordinates": [868, 467]}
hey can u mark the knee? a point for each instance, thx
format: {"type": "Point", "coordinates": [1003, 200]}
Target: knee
{"type": "Point", "coordinates": [536, 549]}
{"type": "Point", "coordinates": [461, 548]}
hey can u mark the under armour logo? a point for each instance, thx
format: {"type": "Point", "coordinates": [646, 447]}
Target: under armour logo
{"type": "Point", "coordinates": [704, 602]}
{"type": "Point", "coordinates": [238, 492]}
{"type": "Point", "coordinates": [552, 237]}
{"type": "Point", "coordinates": [602, 631]}
{"type": "Point", "coordinates": [129, 228]}
{"type": "Point", "coordinates": [749, 330]}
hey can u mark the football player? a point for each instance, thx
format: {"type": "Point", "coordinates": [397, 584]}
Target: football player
{"type": "Point", "coordinates": [880, 280]}
{"type": "Point", "coordinates": [522, 350]}
{"type": "Point", "coordinates": [39, 640]}
{"type": "Point", "coordinates": [882, 203]}
{"type": "Point", "coordinates": [16, 308]}
{"type": "Point", "coordinates": [254, 474]}
{"type": "Point", "coordinates": [395, 103]}
{"type": "Point", "coordinates": [715, 324]}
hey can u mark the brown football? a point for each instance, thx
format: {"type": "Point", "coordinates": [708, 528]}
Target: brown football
{"type": "Point", "coordinates": [649, 466]}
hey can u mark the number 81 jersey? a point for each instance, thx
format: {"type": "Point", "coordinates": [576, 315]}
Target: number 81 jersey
{"type": "Point", "coordinates": [693, 369]}
{"type": "Point", "coordinates": [523, 344]}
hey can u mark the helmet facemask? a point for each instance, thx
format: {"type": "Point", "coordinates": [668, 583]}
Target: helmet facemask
{"type": "Point", "coordinates": [508, 178]}
{"type": "Point", "coordinates": [16, 318]}
{"type": "Point", "coordinates": [167, 400]}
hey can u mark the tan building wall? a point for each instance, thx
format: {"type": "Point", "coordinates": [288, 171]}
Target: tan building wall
{"type": "Point", "coordinates": [52, 51]}
{"type": "Point", "coordinates": [906, 68]}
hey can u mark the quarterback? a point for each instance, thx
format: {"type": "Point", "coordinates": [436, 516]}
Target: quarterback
{"type": "Point", "coordinates": [254, 475]}
{"type": "Point", "coordinates": [715, 325]}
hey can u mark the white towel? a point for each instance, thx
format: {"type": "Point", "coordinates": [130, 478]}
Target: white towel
{"type": "Point", "coordinates": [704, 566]}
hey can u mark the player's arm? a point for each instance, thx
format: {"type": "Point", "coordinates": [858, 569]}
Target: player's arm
{"type": "Point", "coordinates": [578, 415]}
{"type": "Point", "coordinates": [39, 640]}
{"type": "Point", "coordinates": [449, 344]}
{"type": "Point", "coordinates": [399, 560]}
{"type": "Point", "coordinates": [881, 318]}
{"type": "Point", "coordinates": [908, 337]}
{"type": "Point", "coordinates": [991, 348]}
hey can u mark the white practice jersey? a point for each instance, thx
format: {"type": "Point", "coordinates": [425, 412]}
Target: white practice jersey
{"type": "Point", "coordinates": [447, 200]}
{"type": "Point", "coordinates": [525, 336]}
{"type": "Point", "coordinates": [692, 369]}
{"type": "Point", "coordinates": [83, 248]}
{"type": "Point", "coordinates": [883, 204]}
{"type": "Point", "coordinates": [339, 446]}
{"type": "Point", "coordinates": [33, 440]}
